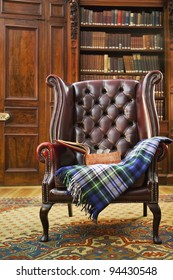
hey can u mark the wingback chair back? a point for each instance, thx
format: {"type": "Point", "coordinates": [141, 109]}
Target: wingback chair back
{"type": "Point", "coordinates": [105, 113]}
{"type": "Point", "coordinates": [114, 114]}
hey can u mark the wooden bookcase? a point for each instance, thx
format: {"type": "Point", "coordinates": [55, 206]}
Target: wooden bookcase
{"type": "Point", "coordinates": [124, 39]}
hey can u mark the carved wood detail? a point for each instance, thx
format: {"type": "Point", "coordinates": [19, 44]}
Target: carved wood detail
{"type": "Point", "coordinates": [74, 10]}
{"type": "Point", "coordinates": [171, 20]}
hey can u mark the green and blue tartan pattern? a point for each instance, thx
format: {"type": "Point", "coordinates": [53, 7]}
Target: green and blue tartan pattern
{"type": "Point", "coordinates": [96, 186]}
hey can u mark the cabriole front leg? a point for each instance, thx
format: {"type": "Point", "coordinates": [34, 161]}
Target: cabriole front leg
{"type": "Point", "coordinates": [155, 209]}
{"type": "Point", "coordinates": [44, 210]}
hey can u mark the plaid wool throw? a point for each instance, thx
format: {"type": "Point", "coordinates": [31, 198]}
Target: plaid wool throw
{"type": "Point", "coordinates": [95, 186]}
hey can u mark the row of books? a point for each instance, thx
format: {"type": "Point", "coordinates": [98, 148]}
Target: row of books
{"type": "Point", "coordinates": [135, 63]}
{"type": "Point", "coordinates": [121, 17]}
{"type": "Point", "coordinates": [160, 109]}
{"type": "Point", "coordinates": [103, 40]}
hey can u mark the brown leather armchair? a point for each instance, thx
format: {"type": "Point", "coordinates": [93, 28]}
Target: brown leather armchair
{"type": "Point", "coordinates": [115, 114]}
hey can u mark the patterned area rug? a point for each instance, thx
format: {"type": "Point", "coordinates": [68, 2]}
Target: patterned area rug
{"type": "Point", "coordinates": [122, 232]}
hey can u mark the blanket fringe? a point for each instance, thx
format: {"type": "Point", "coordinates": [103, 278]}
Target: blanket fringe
{"type": "Point", "coordinates": [89, 209]}
{"type": "Point", "coordinates": [85, 206]}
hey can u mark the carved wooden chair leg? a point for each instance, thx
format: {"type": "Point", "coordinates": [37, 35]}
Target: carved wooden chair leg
{"type": "Point", "coordinates": [155, 209]}
{"type": "Point", "coordinates": [70, 210]}
{"type": "Point", "coordinates": [145, 209]}
{"type": "Point", "coordinates": [44, 210]}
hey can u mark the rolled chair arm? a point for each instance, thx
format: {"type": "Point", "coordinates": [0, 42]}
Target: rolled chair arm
{"type": "Point", "coordinates": [152, 182]}
{"type": "Point", "coordinates": [49, 154]}
{"type": "Point", "coordinates": [162, 151]}
{"type": "Point", "coordinates": [47, 150]}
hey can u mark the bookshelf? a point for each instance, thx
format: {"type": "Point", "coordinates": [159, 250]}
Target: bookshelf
{"type": "Point", "coordinates": [125, 39]}
{"type": "Point", "coordinates": [123, 42]}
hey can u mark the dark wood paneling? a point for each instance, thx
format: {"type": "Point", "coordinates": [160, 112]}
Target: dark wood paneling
{"type": "Point", "coordinates": [57, 10]}
{"type": "Point", "coordinates": [33, 44]}
{"type": "Point", "coordinates": [22, 9]}
{"type": "Point", "coordinates": [21, 62]}
{"type": "Point", "coordinates": [22, 117]}
{"type": "Point", "coordinates": [57, 46]}
{"type": "Point", "coordinates": [20, 153]}
{"type": "Point", "coordinates": [22, 95]}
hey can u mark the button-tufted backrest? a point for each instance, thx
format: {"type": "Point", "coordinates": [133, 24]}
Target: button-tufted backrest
{"type": "Point", "coordinates": [106, 115]}
{"type": "Point", "coordinates": [112, 114]}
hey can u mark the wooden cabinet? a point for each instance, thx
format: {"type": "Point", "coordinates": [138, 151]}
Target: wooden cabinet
{"type": "Point", "coordinates": [125, 39]}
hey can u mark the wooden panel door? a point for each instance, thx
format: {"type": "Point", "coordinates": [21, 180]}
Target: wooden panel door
{"type": "Point", "coordinates": [22, 91]}
{"type": "Point", "coordinates": [57, 60]}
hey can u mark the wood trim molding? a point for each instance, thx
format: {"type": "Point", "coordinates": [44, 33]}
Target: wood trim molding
{"type": "Point", "coordinates": [171, 20]}
{"type": "Point", "coordinates": [124, 3]}
{"type": "Point", "coordinates": [73, 32]}
{"type": "Point", "coordinates": [74, 17]}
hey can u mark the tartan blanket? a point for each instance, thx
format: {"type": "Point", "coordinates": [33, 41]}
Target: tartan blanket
{"type": "Point", "coordinates": [95, 186]}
